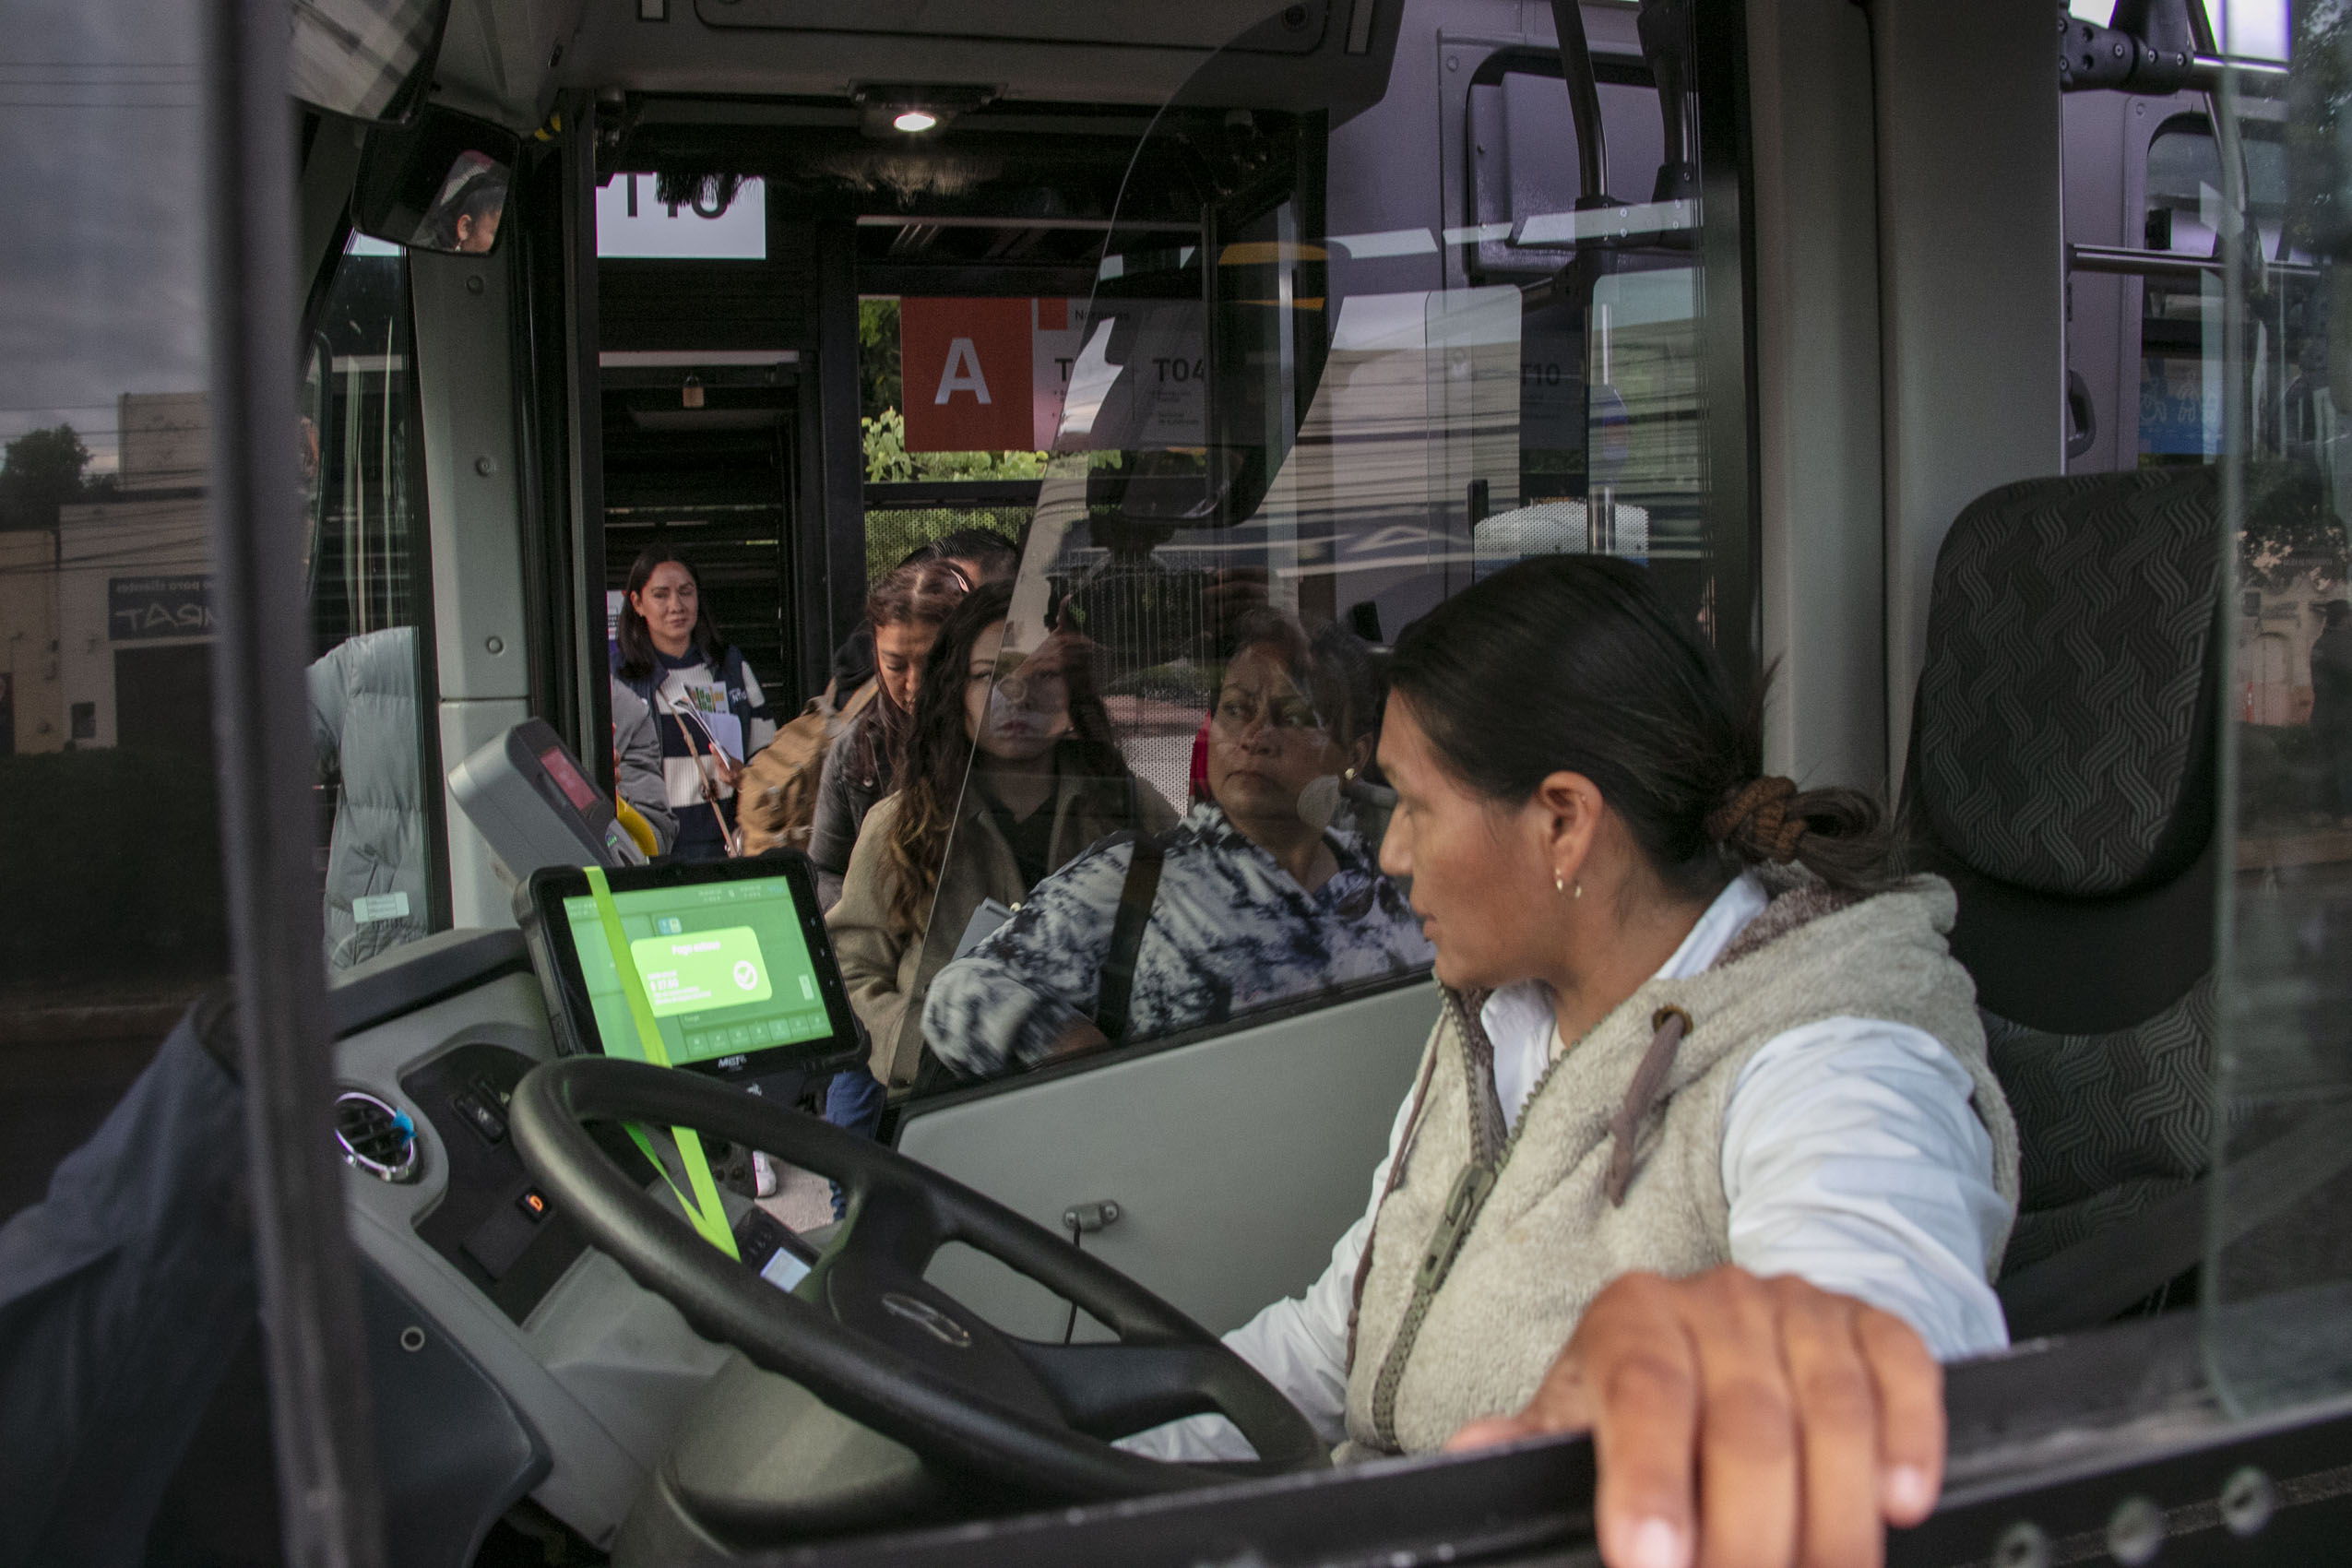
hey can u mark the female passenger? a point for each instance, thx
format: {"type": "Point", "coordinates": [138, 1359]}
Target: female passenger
{"type": "Point", "coordinates": [1260, 895]}
{"type": "Point", "coordinates": [906, 610]}
{"type": "Point", "coordinates": [1045, 780]}
{"type": "Point", "coordinates": [707, 704]}
{"type": "Point", "coordinates": [1694, 1029]}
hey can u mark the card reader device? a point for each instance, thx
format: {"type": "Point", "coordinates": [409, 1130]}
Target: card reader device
{"type": "Point", "coordinates": [533, 801]}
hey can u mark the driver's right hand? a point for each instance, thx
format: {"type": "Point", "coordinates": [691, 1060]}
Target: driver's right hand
{"type": "Point", "coordinates": [1747, 1422]}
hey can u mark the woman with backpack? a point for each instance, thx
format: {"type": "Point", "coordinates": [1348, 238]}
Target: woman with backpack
{"type": "Point", "coordinates": [707, 704]}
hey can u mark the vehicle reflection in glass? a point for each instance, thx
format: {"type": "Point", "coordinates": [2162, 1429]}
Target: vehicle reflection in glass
{"type": "Point", "coordinates": [1288, 431]}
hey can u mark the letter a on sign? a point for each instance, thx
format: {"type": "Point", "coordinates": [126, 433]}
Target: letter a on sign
{"type": "Point", "coordinates": [963, 373]}
{"type": "Point", "coordinates": [965, 368]}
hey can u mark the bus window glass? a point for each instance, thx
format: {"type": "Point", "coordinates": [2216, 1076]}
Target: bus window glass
{"type": "Point", "coordinates": [370, 683]}
{"type": "Point", "coordinates": [2279, 1254]}
{"type": "Point", "coordinates": [1316, 390]}
{"type": "Point", "coordinates": [2180, 411]}
{"type": "Point", "coordinates": [111, 916]}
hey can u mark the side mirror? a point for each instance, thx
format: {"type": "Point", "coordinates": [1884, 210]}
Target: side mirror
{"type": "Point", "coordinates": [438, 183]}
{"type": "Point", "coordinates": [366, 59]}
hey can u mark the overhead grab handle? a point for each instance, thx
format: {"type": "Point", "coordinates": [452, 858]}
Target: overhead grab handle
{"type": "Point", "coordinates": [1584, 104]}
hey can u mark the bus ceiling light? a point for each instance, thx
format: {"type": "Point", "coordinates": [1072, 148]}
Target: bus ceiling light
{"type": "Point", "coordinates": [893, 110]}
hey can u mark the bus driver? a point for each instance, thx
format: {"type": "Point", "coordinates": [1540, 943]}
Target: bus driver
{"type": "Point", "coordinates": [1697, 1035]}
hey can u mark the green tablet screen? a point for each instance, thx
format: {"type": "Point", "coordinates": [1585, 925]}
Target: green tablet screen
{"type": "Point", "coordinates": [725, 966]}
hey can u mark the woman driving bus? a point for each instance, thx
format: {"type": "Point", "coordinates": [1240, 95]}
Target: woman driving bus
{"type": "Point", "coordinates": [1693, 1020]}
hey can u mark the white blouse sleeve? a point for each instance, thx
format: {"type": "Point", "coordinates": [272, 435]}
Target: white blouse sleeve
{"type": "Point", "coordinates": [1300, 1345]}
{"type": "Point", "coordinates": [1853, 1158]}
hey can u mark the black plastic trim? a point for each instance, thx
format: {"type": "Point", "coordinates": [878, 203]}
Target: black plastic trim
{"type": "Point", "coordinates": [2051, 1437]}
{"type": "Point", "coordinates": [421, 974]}
{"type": "Point", "coordinates": [456, 1452]}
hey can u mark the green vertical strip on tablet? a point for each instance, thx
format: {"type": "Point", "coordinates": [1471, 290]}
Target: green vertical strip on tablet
{"type": "Point", "coordinates": [709, 1216]}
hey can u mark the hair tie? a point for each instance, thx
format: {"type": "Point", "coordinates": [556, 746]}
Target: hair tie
{"type": "Point", "coordinates": [1758, 816]}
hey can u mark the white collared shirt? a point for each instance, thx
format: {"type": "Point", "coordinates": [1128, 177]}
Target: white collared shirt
{"type": "Point", "coordinates": [1851, 1158]}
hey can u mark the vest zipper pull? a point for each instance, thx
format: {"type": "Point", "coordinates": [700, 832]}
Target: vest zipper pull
{"type": "Point", "coordinates": [1462, 1207]}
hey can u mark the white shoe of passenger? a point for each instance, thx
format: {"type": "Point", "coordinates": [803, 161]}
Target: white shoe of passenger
{"type": "Point", "coordinates": [766, 1183]}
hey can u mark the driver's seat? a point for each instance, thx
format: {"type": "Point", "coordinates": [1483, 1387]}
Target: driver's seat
{"type": "Point", "coordinates": [2061, 776]}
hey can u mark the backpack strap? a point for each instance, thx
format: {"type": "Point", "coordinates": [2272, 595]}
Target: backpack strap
{"type": "Point", "coordinates": [1136, 894]}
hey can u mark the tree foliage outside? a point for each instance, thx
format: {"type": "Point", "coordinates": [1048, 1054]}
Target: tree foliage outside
{"type": "Point", "coordinates": [2291, 530]}
{"type": "Point", "coordinates": [889, 462]}
{"type": "Point", "coordinates": [41, 471]}
{"type": "Point", "coordinates": [877, 356]}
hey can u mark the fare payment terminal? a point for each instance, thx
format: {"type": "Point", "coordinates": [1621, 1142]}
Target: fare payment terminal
{"type": "Point", "coordinates": [533, 801]}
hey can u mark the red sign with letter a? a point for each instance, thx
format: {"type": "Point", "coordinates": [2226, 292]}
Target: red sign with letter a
{"type": "Point", "coordinates": [964, 370]}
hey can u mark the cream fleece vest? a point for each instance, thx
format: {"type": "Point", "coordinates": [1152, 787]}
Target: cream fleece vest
{"type": "Point", "coordinates": [1543, 1236]}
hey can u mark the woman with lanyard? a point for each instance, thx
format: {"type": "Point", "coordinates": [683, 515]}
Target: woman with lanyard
{"type": "Point", "coordinates": [707, 704]}
{"type": "Point", "coordinates": [1704, 1153]}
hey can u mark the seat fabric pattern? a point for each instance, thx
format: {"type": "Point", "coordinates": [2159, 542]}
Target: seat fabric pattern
{"type": "Point", "coordinates": [2056, 725]}
{"type": "Point", "coordinates": [2113, 1121]}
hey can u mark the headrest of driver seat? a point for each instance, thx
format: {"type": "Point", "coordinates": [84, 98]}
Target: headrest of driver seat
{"type": "Point", "coordinates": [2062, 737]}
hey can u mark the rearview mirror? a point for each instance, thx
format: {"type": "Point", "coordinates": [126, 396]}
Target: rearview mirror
{"type": "Point", "coordinates": [440, 183]}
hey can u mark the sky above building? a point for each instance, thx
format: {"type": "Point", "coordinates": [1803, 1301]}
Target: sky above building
{"type": "Point", "coordinates": [102, 189]}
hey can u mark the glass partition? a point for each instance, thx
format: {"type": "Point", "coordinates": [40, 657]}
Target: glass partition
{"type": "Point", "coordinates": [1322, 383]}
{"type": "Point", "coordinates": [111, 901]}
{"type": "Point", "coordinates": [2278, 1295]}
{"type": "Point", "coordinates": [370, 681]}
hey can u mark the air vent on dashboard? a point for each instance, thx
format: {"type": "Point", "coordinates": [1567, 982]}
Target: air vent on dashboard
{"type": "Point", "coordinates": [375, 1137]}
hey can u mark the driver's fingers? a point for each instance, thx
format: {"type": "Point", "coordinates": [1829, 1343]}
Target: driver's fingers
{"type": "Point", "coordinates": [1563, 1403]}
{"type": "Point", "coordinates": [1838, 1407]}
{"type": "Point", "coordinates": [1639, 1371]}
{"type": "Point", "coordinates": [1910, 1415]}
{"type": "Point", "coordinates": [1748, 1457]}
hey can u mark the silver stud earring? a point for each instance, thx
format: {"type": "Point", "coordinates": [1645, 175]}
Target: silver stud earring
{"type": "Point", "coordinates": [1580, 891]}
{"type": "Point", "coordinates": [1559, 884]}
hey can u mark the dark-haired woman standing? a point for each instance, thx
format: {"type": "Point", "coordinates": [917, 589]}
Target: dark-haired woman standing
{"type": "Point", "coordinates": [904, 612]}
{"type": "Point", "coordinates": [707, 704]}
{"type": "Point", "coordinates": [1697, 1032]}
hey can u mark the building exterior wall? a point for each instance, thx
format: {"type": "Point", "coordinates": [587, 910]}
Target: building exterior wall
{"type": "Point", "coordinates": [133, 576]}
{"type": "Point", "coordinates": [36, 714]}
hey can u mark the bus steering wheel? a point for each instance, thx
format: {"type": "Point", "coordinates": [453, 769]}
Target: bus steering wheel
{"type": "Point", "coordinates": [865, 1333]}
